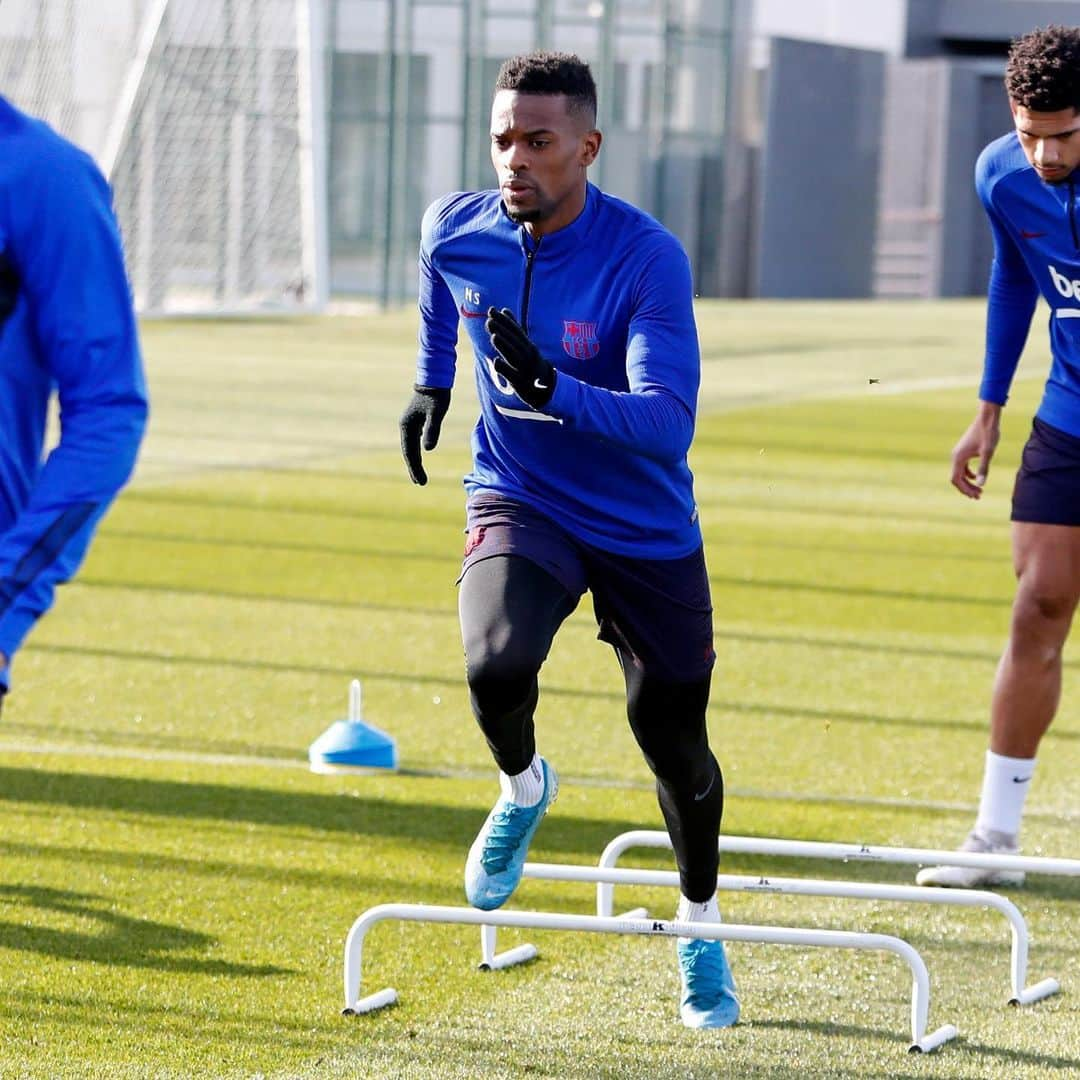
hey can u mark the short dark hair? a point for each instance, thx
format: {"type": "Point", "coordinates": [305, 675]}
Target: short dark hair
{"type": "Point", "coordinates": [1043, 72]}
{"type": "Point", "coordinates": [551, 73]}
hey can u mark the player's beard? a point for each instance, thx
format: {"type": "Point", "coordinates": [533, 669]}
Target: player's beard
{"type": "Point", "coordinates": [1065, 176]}
{"type": "Point", "coordinates": [520, 217]}
{"type": "Point", "coordinates": [542, 210]}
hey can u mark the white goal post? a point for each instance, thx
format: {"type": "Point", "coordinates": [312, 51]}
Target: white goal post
{"type": "Point", "coordinates": [209, 119]}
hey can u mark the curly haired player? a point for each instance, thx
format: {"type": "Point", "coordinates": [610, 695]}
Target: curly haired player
{"type": "Point", "coordinates": [1027, 181]}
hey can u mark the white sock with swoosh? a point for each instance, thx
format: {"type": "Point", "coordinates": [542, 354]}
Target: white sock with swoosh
{"type": "Point", "coordinates": [526, 788]}
{"type": "Point", "coordinates": [1006, 781]}
{"type": "Point", "coordinates": [689, 911]}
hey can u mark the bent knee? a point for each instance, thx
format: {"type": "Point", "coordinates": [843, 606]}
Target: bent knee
{"type": "Point", "coordinates": [498, 663]}
{"type": "Point", "coordinates": [1040, 626]}
{"type": "Point", "coordinates": [1036, 605]}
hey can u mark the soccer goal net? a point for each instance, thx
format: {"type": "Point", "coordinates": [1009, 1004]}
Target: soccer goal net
{"type": "Point", "coordinates": [206, 116]}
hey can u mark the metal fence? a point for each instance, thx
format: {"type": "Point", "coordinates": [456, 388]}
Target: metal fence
{"type": "Point", "coordinates": [410, 93]}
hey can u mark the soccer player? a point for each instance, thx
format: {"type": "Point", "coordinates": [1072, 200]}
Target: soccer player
{"type": "Point", "coordinates": [66, 324]}
{"type": "Point", "coordinates": [1028, 183]}
{"type": "Point", "coordinates": [579, 310]}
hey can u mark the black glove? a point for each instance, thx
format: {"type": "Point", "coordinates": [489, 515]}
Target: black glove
{"type": "Point", "coordinates": [9, 288]}
{"type": "Point", "coordinates": [423, 414]}
{"type": "Point", "coordinates": [519, 360]}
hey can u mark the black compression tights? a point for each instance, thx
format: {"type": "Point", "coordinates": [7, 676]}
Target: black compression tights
{"type": "Point", "coordinates": [510, 609]}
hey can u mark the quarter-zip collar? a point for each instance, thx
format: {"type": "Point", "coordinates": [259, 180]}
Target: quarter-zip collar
{"type": "Point", "coordinates": [570, 237]}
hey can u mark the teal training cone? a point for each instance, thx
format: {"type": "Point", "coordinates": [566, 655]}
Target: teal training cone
{"type": "Point", "coordinates": [352, 744]}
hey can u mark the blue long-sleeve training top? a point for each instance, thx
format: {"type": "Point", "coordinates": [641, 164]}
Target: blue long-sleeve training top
{"type": "Point", "coordinates": [1036, 229]}
{"type": "Point", "coordinates": [66, 324]}
{"type": "Point", "coordinates": [609, 301]}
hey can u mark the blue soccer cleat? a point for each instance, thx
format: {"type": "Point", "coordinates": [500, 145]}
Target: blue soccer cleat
{"type": "Point", "coordinates": [493, 868]}
{"type": "Point", "coordinates": [708, 999]}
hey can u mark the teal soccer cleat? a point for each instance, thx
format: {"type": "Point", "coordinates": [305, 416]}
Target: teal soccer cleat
{"type": "Point", "coordinates": [493, 868]}
{"type": "Point", "coordinates": [708, 999]}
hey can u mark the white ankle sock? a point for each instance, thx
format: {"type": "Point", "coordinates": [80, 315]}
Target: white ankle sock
{"type": "Point", "coordinates": [1006, 781]}
{"type": "Point", "coordinates": [689, 911]}
{"type": "Point", "coordinates": [526, 788]}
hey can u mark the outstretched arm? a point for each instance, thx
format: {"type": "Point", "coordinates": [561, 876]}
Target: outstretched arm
{"type": "Point", "coordinates": [66, 253]}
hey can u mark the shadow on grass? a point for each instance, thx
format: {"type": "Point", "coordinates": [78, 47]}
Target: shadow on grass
{"type": "Point", "coordinates": [1004, 1057]}
{"type": "Point", "coordinates": [1001, 1059]}
{"type": "Point", "coordinates": [155, 742]}
{"type": "Point", "coordinates": [899, 1035]}
{"type": "Point", "coordinates": [412, 881]}
{"type": "Point", "coordinates": [121, 939]}
{"type": "Point", "coordinates": [159, 1028]}
{"type": "Point", "coordinates": [414, 821]}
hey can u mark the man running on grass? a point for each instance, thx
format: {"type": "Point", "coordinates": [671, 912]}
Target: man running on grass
{"type": "Point", "coordinates": [66, 323]}
{"type": "Point", "coordinates": [1028, 182]}
{"type": "Point", "coordinates": [579, 308]}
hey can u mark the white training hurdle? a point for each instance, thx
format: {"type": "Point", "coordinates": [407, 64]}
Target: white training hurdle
{"type": "Point", "coordinates": [773, 935]}
{"type": "Point", "coordinates": [817, 849]}
{"type": "Point", "coordinates": [607, 877]}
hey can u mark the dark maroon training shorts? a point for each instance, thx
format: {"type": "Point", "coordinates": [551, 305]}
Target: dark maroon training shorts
{"type": "Point", "coordinates": [657, 610]}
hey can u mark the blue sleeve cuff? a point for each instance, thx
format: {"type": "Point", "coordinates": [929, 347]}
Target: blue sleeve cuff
{"type": "Point", "coordinates": [563, 401]}
{"type": "Point", "coordinates": [996, 391]}
{"type": "Point", "coordinates": [437, 380]}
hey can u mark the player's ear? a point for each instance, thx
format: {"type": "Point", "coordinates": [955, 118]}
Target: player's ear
{"type": "Point", "coordinates": [590, 147]}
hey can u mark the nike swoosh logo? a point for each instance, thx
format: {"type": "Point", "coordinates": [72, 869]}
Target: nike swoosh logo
{"type": "Point", "coordinates": [698, 798]}
{"type": "Point", "coordinates": [1031, 235]}
{"type": "Point", "coordinates": [471, 314]}
{"type": "Point", "coordinates": [1021, 779]}
{"type": "Point", "coordinates": [539, 385]}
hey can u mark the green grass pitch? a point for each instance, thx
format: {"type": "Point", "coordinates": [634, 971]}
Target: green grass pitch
{"type": "Point", "coordinates": [175, 886]}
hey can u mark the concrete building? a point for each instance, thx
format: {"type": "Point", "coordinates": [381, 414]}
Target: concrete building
{"type": "Point", "coordinates": [855, 143]}
{"type": "Point", "coordinates": [411, 87]}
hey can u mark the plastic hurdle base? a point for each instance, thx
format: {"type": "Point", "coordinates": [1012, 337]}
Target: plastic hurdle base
{"type": "Point", "coordinates": [490, 960]}
{"type": "Point", "coordinates": [921, 1041]}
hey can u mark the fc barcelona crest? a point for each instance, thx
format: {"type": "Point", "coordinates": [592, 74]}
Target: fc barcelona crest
{"type": "Point", "coordinates": [579, 340]}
